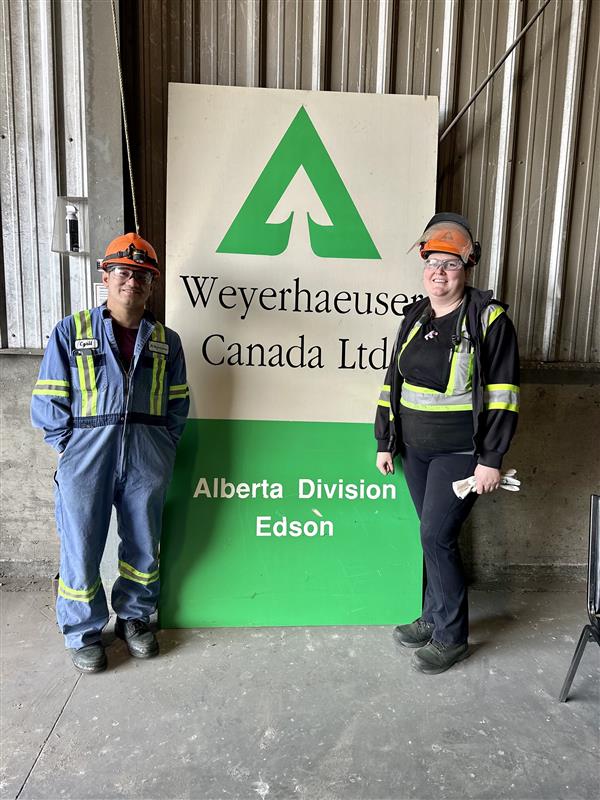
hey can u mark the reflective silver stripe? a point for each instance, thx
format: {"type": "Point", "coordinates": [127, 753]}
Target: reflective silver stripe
{"type": "Point", "coordinates": [501, 397]}
{"type": "Point", "coordinates": [461, 371]}
{"type": "Point", "coordinates": [384, 396]}
{"type": "Point", "coordinates": [488, 315]}
{"type": "Point", "coordinates": [422, 399]}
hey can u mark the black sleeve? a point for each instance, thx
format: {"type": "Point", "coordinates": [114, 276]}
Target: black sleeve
{"type": "Point", "coordinates": [501, 388]}
{"type": "Point", "coordinates": [384, 418]}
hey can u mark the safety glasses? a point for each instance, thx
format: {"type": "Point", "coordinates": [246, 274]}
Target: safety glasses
{"type": "Point", "coordinates": [142, 276]}
{"type": "Point", "coordinates": [437, 263]}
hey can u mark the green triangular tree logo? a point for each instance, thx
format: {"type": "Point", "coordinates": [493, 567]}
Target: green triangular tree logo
{"type": "Point", "coordinates": [301, 146]}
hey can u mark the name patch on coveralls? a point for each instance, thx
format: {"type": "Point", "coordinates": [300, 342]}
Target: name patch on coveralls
{"type": "Point", "coordinates": [159, 347]}
{"type": "Point", "coordinates": [86, 344]}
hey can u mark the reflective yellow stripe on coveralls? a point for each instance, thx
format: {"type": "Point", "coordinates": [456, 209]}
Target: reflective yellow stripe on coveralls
{"type": "Point", "coordinates": [52, 387]}
{"type": "Point", "coordinates": [158, 372]}
{"type": "Point", "coordinates": [132, 574]}
{"type": "Point", "coordinates": [85, 367]}
{"type": "Point", "coordinates": [179, 391]}
{"type": "Point", "coordinates": [82, 595]}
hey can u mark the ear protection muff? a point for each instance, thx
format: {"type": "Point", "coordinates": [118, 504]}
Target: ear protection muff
{"type": "Point", "coordinates": [449, 216]}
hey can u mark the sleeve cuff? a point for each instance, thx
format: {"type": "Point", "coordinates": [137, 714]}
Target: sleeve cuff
{"type": "Point", "coordinates": [491, 459]}
{"type": "Point", "coordinates": [383, 446]}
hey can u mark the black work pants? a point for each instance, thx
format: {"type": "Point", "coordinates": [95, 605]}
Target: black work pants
{"type": "Point", "coordinates": [429, 477]}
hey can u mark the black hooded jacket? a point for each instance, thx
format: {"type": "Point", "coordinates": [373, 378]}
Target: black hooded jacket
{"type": "Point", "coordinates": [496, 361]}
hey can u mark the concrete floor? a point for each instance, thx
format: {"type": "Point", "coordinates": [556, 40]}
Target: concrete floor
{"type": "Point", "coordinates": [303, 713]}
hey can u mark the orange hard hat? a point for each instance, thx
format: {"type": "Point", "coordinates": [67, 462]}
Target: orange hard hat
{"type": "Point", "coordinates": [132, 250]}
{"type": "Point", "coordinates": [449, 233]}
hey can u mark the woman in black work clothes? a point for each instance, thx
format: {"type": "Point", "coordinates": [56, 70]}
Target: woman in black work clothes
{"type": "Point", "coordinates": [449, 406]}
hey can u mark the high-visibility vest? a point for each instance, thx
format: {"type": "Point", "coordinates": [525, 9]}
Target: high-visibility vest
{"type": "Point", "coordinates": [459, 391]}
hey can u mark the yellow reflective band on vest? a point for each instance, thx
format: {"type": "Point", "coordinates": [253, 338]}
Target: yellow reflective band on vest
{"type": "Point", "coordinates": [384, 396]}
{"type": "Point", "coordinates": [158, 372]}
{"type": "Point", "coordinates": [132, 574]}
{"type": "Point", "coordinates": [85, 367]}
{"type": "Point", "coordinates": [501, 396]}
{"type": "Point", "coordinates": [55, 388]}
{"type": "Point", "coordinates": [459, 392]}
{"type": "Point", "coordinates": [178, 390]}
{"type": "Point", "coordinates": [80, 595]}
{"type": "Point", "coordinates": [409, 338]}
{"type": "Point", "coordinates": [458, 395]}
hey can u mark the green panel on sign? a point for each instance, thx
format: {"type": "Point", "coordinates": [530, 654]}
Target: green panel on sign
{"type": "Point", "coordinates": [351, 562]}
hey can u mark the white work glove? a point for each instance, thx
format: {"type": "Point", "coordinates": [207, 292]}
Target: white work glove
{"type": "Point", "coordinates": [466, 485]}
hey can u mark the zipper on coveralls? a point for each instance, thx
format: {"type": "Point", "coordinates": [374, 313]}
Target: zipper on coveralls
{"type": "Point", "coordinates": [127, 387]}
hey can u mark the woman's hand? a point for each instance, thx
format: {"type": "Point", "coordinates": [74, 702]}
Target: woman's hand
{"type": "Point", "coordinates": [385, 463]}
{"type": "Point", "coordinates": [487, 478]}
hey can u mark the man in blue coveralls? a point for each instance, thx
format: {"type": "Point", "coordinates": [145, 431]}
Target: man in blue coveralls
{"type": "Point", "coordinates": [112, 399]}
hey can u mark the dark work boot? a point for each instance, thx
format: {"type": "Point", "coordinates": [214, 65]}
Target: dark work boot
{"type": "Point", "coordinates": [140, 640]}
{"type": "Point", "coordinates": [416, 634]}
{"type": "Point", "coordinates": [89, 658]}
{"type": "Point", "coordinates": [436, 657]}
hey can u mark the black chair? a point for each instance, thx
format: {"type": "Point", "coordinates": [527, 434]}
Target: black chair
{"type": "Point", "coordinates": [592, 631]}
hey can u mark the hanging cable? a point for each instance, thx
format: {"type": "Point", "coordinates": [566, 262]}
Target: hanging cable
{"type": "Point", "coordinates": [482, 86]}
{"type": "Point", "coordinates": [118, 52]}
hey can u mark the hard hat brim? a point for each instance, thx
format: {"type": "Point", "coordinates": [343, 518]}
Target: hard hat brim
{"type": "Point", "coordinates": [436, 246]}
{"type": "Point", "coordinates": [446, 237]}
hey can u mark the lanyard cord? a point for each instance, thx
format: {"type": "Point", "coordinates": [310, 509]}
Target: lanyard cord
{"type": "Point", "coordinates": [118, 54]}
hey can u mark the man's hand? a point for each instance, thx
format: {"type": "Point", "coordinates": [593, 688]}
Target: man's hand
{"type": "Point", "coordinates": [385, 463]}
{"type": "Point", "coordinates": [487, 479]}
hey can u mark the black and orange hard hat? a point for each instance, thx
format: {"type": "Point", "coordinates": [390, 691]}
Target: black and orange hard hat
{"type": "Point", "coordinates": [449, 233]}
{"type": "Point", "coordinates": [132, 250]}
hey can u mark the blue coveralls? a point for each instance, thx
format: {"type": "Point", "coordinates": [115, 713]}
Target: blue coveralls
{"type": "Point", "coordinates": [117, 433]}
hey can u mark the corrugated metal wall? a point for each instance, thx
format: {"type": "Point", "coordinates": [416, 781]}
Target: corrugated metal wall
{"type": "Point", "coordinates": [42, 155]}
{"type": "Point", "coordinates": [523, 163]}
{"type": "Point", "coordinates": [60, 135]}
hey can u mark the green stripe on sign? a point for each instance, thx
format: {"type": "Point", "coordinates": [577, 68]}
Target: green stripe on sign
{"type": "Point", "coordinates": [355, 561]}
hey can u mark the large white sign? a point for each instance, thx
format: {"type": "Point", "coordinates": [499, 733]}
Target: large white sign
{"type": "Point", "coordinates": [290, 214]}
